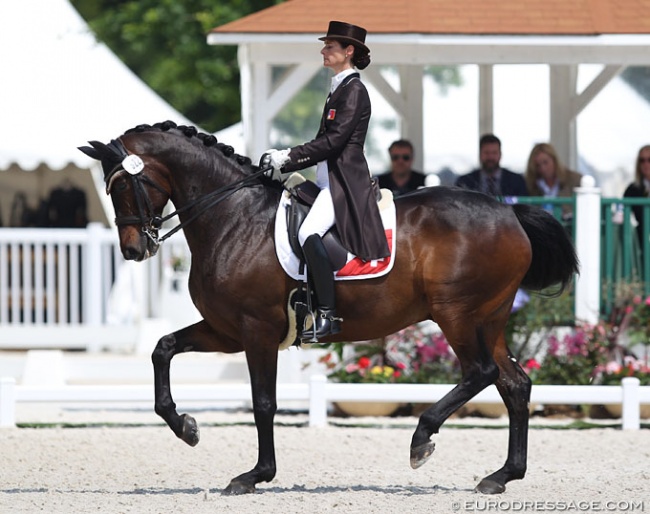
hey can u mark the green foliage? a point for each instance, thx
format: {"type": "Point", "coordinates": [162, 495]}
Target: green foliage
{"type": "Point", "coordinates": [529, 327]}
{"type": "Point", "coordinates": [164, 43]}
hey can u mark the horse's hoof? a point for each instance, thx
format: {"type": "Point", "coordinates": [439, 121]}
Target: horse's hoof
{"type": "Point", "coordinates": [190, 433]}
{"type": "Point", "coordinates": [236, 488]}
{"type": "Point", "coordinates": [487, 486]}
{"type": "Point", "coordinates": [420, 454]}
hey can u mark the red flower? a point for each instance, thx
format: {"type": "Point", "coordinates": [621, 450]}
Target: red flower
{"type": "Point", "coordinates": [397, 374]}
{"type": "Point", "coordinates": [532, 364]}
{"type": "Point", "coordinates": [364, 362]}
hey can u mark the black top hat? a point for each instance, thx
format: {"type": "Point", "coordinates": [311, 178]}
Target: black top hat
{"type": "Point", "coordinates": [347, 33]}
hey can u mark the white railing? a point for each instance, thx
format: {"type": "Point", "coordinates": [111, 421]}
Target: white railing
{"type": "Point", "coordinates": [56, 286]}
{"type": "Point", "coordinates": [319, 392]}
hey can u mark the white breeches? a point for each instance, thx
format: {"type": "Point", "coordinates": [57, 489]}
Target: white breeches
{"type": "Point", "coordinates": [320, 217]}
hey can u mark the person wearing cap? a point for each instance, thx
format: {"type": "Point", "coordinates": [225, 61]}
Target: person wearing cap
{"type": "Point", "coordinates": [347, 198]}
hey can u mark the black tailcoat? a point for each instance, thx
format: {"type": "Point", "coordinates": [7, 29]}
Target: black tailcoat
{"type": "Point", "coordinates": [340, 142]}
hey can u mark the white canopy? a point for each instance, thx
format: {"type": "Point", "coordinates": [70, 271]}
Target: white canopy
{"type": "Point", "coordinates": [60, 87]}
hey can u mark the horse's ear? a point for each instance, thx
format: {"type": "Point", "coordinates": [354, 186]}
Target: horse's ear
{"type": "Point", "coordinates": [90, 152]}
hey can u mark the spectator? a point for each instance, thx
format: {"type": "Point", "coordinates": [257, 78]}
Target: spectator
{"type": "Point", "coordinates": [66, 206]}
{"type": "Point", "coordinates": [640, 188]}
{"type": "Point", "coordinates": [491, 178]}
{"type": "Point", "coordinates": [401, 178]}
{"type": "Point", "coordinates": [547, 176]}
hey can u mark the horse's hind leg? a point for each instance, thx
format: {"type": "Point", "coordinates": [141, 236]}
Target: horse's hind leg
{"type": "Point", "coordinates": [514, 387]}
{"type": "Point", "coordinates": [198, 337]}
{"type": "Point", "coordinates": [479, 371]}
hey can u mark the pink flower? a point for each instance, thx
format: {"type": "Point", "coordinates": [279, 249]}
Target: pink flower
{"type": "Point", "coordinates": [351, 368]}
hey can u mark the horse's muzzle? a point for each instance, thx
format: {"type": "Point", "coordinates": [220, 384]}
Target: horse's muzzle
{"type": "Point", "coordinates": [139, 249]}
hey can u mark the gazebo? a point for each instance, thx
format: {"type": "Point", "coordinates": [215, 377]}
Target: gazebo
{"type": "Point", "coordinates": [411, 35]}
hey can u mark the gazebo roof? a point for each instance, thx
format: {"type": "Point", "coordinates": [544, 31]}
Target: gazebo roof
{"type": "Point", "coordinates": [469, 17]}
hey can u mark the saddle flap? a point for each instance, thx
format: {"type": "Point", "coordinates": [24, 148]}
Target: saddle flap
{"type": "Point", "coordinates": [306, 192]}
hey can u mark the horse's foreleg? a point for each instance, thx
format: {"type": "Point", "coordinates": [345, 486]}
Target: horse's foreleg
{"type": "Point", "coordinates": [514, 387]}
{"type": "Point", "coordinates": [198, 337]}
{"type": "Point", "coordinates": [262, 366]}
{"type": "Point", "coordinates": [479, 371]}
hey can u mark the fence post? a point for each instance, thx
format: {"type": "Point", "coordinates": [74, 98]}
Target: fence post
{"type": "Point", "coordinates": [317, 401]}
{"type": "Point", "coordinates": [7, 402]}
{"type": "Point", "coordinates": [587, 297]}
{"type": "Point", "coordinates": [631, 406]}
{"type": "Point", "coordinates": [93, 293]}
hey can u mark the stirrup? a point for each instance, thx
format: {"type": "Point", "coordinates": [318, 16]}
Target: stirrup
{"type": "Point", "coordinates": [326, 323]}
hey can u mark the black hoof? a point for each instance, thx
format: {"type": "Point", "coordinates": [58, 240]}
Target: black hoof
{"type": "Point", "coordinates": [421, 454]}
{"type": "Point", "coordinates": [190, 433]}
{"type": "Point", "coordinates": [487, 486]}
{"type": "Point", "coordinates": [237, 488]}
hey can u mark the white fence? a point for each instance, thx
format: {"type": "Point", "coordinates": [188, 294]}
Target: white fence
{"type": "Point", "coordinates": [56, 288]}
{"type": "Point", "coordinates": [319, 392]}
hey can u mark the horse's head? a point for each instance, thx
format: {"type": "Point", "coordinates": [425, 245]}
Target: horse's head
{"type": "Point", "coordinates": [138, 192]}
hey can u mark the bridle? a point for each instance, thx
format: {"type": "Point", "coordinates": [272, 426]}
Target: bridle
{"type": "Point", "coordinates": [146, 217]}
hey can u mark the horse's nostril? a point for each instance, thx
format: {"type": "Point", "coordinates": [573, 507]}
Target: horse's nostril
{"type": "Point", "coordinates": [131, 254]}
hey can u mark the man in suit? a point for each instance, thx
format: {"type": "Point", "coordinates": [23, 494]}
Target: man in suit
{"type": "Point", "coordinates": [491, 178]}
{"type": "Point", "coordinates": [401, 178]}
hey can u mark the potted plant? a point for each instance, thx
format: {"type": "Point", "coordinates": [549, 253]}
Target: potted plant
{"type": "Point", "coordinates": [416, 354]}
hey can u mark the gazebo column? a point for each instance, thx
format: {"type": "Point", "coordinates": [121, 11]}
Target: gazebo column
{"type": "Point", "coordinates": [263, 98]}
{"type": "Point", "coordinates": [563, 82]}
{"type": "Point", "coordinates": [567, 104]}
{"type": "Point", "coordinates": [407, 103]}
{"type": "Point", "coordinates": [485, 99]}
{"type": "Point", "coordinates": [412, 116]}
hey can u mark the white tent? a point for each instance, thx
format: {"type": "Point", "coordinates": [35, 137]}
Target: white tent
{"type": "Point", "coordinates": [60, 88]}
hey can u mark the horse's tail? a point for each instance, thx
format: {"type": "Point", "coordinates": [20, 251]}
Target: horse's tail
{"type": "Point", "coordinates": [554, 257]}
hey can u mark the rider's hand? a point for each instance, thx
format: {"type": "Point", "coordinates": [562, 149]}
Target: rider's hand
{"type": "Point", "coordinates": [276, 159]}
{"type": "Point", "coordinates": [265, 160]}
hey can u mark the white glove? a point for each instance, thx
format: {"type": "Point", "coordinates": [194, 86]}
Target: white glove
{"type": "Point", "coordinates": [276, 159]}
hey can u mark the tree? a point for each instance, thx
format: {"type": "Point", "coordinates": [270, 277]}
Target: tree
{"type": "Point", "coordinates": [164, 43]}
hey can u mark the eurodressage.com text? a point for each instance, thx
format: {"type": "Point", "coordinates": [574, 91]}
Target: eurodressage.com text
{"type": "Point", "coordinates": [548, 506]}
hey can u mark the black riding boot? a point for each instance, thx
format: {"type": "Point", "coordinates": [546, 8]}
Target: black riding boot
{"type": "Point", "coordinates": [320, 272]}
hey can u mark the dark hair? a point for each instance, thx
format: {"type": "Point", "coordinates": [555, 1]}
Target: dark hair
{"type": "Point", "coordinates": [487, 139]}
{"type": "Point", "coordinates": [401, 143]}
{"type": "Point", "coordinates": [360, 59]}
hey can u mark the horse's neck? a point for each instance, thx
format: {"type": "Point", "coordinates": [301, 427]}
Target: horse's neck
{"type": "Point", "coordinates": [224, 222]}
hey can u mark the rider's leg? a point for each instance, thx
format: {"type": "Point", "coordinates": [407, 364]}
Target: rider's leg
{"type": "Point", "coordinates": [317, 222]}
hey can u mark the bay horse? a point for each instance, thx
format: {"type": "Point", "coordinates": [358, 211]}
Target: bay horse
{"type": "Point", "coordinates": [460, 258]}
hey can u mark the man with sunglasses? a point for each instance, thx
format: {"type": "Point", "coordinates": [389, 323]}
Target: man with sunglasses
{"type": "Point", "coordinates": [401, 178]}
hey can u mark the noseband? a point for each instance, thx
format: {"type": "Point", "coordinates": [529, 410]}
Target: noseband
{"type": "Point", "coordinates": [146, 218]}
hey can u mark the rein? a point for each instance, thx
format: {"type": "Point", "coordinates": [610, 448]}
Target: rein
{"type": "Point", "coordinates": [216, 196]}
{"type": "Point", "coordinates": [151, 223]}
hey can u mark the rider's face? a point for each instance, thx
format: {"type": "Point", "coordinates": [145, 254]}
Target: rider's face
{"type": "Point", "coordinates": [335, 56]}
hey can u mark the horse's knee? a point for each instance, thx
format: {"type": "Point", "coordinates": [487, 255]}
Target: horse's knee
{"type": "Point", "coordinates": [164, 350]}
{"type": "Point", "coordinates": [515, 380]}
{"type": "Point", "coordinates": [481, 374]}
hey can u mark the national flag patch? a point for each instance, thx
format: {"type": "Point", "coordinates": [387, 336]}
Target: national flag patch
{"type": "Point", "coordinates": [331, 114]}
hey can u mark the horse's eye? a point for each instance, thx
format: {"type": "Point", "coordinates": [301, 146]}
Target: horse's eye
{"type": "Point", "coordinates": [120, 186]}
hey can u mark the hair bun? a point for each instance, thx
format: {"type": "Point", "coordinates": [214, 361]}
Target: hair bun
{"type": "Point", "coordinates": [362, 61]}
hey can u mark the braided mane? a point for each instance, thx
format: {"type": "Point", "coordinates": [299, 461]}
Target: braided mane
{"type": "Point", "coordinates": [208, 139]}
